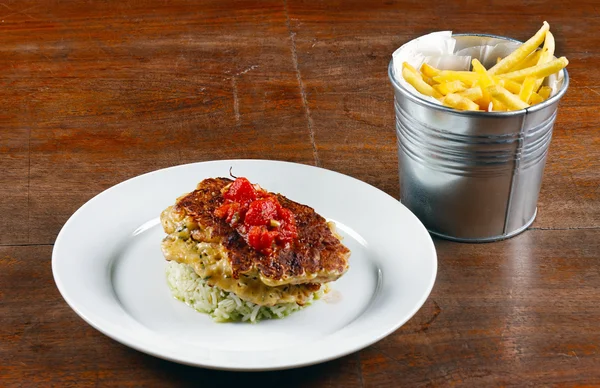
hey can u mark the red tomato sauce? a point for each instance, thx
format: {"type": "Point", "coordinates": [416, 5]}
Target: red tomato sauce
{"type": "Point", "coordinates": [257, 216]}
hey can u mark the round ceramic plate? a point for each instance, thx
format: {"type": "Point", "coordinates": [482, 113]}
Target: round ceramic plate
{"type": "Point", "coordinates": [108, 266]}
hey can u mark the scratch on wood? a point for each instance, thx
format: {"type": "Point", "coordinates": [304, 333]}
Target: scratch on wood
{"type": "Point", "coordinates": [592, 90]}
{"type": "Point", "coordinates": [570, 354]}
{"type": "Point", "coordinates": [301, 85]}
{"type": "Point", "coordinates": [391, 357]}
{"type": "Point", "coordinates": [179, 58]}
{"type": "Point", "coordinates": [567, 228]}
{"type": "Point", "coordinates": [28, 184]}
{"type": "Point", "coordinates": [575, 354]}
{"type": "Point", "coordinates": [359, 368]}
{"type": "Point", "coordinates": [239, 73]}
{"type": "Point", "coordinates": [26, 245]}
{"type": "Point", "coordinates": [49, 60]}
{"type": "Point", "coordinates": [24, 12]}
{"type": "Point", "coordinates": [236, 102]}
{"type": "Point", "coordinates": [245, 71]}
{"type": "Point", "coordinates": [424, 327]}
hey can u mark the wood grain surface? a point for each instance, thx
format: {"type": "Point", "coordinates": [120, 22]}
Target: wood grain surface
{"type": "Point", "coordinates": [97, 92]}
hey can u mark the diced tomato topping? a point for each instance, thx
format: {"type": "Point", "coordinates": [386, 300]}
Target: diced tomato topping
{"type": "Point", "coordinates": [257, 216]}
{"type": "Point", "coordinates": [286, 215]}
{"type": "Point", "coordinates": [241, 190]}
{"type": "Point", "coordinates": [262, 211]}
{"type": "Point", "coordinates": [261, 239]}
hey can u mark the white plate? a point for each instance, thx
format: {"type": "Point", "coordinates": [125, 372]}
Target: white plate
{"type": "Point", "coordinates": [108, 266]}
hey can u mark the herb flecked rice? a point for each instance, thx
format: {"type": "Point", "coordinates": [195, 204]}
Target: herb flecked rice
{"type": "Point", "coordinates": [223, 306]}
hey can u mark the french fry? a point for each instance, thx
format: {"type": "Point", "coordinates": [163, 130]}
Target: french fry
{"type": "Point", "coordinates": [531, 60]}
{"type": "Point", "coordinates": [511, 101]}
{"type": "Point", "coordinates": [472, 94]}
{"type": "Point", "coordinates": [479, 69]}
{"type": "Point", "coordinates": [476, 95]}
{"type": "Point", "coordinates": [513, 83]}
{"type": "Point", "coordinates": [414, 78]}
{"type": "Point", "coordinates": [535, 98]}
{"type": "Point", "coordinates": [450, 87]}
{"type": "Point", "coordinates": [545, 92]}
{"type": "Point", "coordinates": [483, 105]}
{"type": "Point", "coordinates": [467, 77]}
{"type": "Point", "coordinates": [497, 106]}
{"type": "Point", "coordinates": [429, 71]}
{"type": "Point", "coordinates": [539, 71]}
{"type": "Point", "coordinates": [520, 53]}
{"type": "Point", "coordinates": [458, 102]}
{"type": "Point", "coordinates": [527, 89]}
{"type": "Point", "coordinates": [484, 81]}
{"type": "Point", "coordinates": [547, 53]}
{"type": "Point", "coordinates": [511, 86]}
{"type": "Point", "coordinates": [429, 81]}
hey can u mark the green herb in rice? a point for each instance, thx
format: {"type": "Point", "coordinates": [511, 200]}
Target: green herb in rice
{"type": "Point", "coordinates": [221, 305]}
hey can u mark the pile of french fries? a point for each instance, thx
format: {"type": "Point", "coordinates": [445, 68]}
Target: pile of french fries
{"type": "Point", "coordinates": [513, 83]}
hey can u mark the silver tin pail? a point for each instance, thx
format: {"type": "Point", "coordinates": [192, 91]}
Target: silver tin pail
{"type": "Point", "coordinates": [472, 176]}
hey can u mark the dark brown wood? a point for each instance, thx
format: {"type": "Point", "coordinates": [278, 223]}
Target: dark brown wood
{"type": "Point", "coordinates": [523, 312]}
{"type": "Point", "coordinates": [95, 93]}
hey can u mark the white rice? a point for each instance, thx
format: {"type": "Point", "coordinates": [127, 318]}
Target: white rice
{"type": "Point", "coordinates": [223, 306]}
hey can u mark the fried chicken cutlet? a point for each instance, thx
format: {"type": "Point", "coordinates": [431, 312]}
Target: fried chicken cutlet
{"type": "Point", "coordinates": [261, 246]}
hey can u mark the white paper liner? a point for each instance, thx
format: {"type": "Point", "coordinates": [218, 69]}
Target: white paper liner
{"type": "Point", "coordinates": [439, 49]}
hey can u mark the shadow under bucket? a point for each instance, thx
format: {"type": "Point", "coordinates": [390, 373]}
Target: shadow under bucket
{"type": "Point", "coordinates": [472, 176]}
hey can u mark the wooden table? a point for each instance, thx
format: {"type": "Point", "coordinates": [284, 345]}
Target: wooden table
{"type": "Point", "coordinates": [95, 93]}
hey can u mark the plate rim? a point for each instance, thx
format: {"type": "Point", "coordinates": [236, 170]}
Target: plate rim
{"type": "Point", "coordinates": [219, 366]}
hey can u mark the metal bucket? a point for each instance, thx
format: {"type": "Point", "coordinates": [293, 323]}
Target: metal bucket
{"type": "Point", "coordinates": [472, 176]}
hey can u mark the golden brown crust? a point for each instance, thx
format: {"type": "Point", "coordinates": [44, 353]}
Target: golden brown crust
{"type": "Point", "coordinates": [315, 256]}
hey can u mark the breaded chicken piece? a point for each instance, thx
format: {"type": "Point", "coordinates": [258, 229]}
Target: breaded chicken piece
{"type": "Point", "coordinates": [292, 272]}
